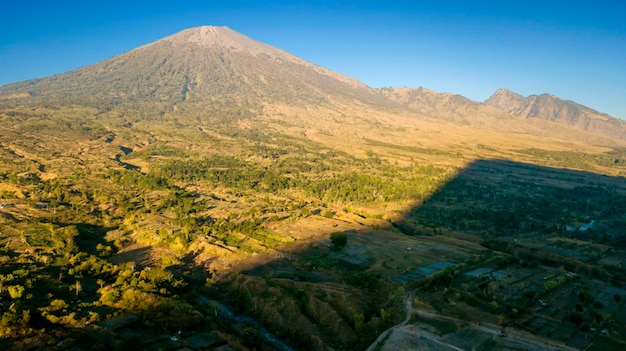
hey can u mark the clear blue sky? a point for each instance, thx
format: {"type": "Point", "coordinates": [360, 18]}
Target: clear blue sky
{"type": "Point", "coordinates": [573, 49]}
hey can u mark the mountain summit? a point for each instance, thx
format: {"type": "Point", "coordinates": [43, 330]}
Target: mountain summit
{"type": "Point", "coordinates": [219, 37]}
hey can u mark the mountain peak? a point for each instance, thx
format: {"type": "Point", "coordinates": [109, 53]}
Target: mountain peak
{"type": "Point", "coordinates": [505, 92]}
{"type": "Point", "coordinates": [503, 98]}
{"type": "Point", "coordinates": [218, 37]}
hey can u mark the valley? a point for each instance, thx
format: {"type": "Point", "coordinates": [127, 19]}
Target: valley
{"type": "Point", "coordinates": [132, 216]}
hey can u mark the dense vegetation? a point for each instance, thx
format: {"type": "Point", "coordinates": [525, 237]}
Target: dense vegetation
{"type": "Point", "coordinates": [115, 247]}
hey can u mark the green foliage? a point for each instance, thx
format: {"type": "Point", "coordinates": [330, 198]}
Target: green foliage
{"type": "Point", "coordinates": [15, 291]}
{"type": "Point", "coordinates": [576, 317]}
{"type": "Point", "coordinates": [387, 183]}
{"type": "Point", "coordinates": [394, 184]}
{"type": "Point", "coordinates": [554, 283]}
{"type": "Point", "coordinates": [338, 240]}
{"type": "Point", "coordinates": [615, 158]}
{"type": "Point", "coordinates": [328, 214]}
{"type": "Point", "coordinates": [471, 299]}
{"type": "Point", "coordinates": [55, 305]}
{"type": "Point", "coordinates": [14, 323]}
{"type": "Point", "coordinates": [252, 338]}
{"type": "Point", "coordinates": [477, 201]}
{"type": "Point", "coordinates": [359, 322]}
{"type": "Point", "coordinates": [384, 315]}
{"type": "Point", "coordinates": [226, 183]}
{"type": "Point", "coordinates": [488, 345]}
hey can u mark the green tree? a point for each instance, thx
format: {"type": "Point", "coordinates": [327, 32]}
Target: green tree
{"type": "Point", "coordinates": [7, 278]}
{"type": "Point", "coordinates": [339, 240]}
{"type": "Point", "coordinates": [252, 338]}
{"type": "Point", "coordinates": [15, 291]}
{"type": "Point", "coordinates": [576, 317]}
{"type": "Point", "coordinates": [359, 321]}
{"type": "Point", "coordinates": [384, 315]}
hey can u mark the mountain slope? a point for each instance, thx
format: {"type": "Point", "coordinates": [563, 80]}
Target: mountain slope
{"type": "Point", "coordinates": [194, 65]}
{"type": "Point", "coordinates": [553, 109]}
{"type": "Point", "coordinates": [444, 106]}
{"type": "Point", "coordinates": [460, 110]}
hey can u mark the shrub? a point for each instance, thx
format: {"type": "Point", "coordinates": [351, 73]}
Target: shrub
{"type": "Point", "coordinates": [251, 337]}
{"type": "Point", "coordinates": [339, 240]}
{"type": "Point", "coordinates": [328, 214]}
{"type": "Point", "coordinates": [471, 299]}
{"type": "Point", "coordinates": [576, 317]}
{"type": "Point", "coordinates": [15, 291]}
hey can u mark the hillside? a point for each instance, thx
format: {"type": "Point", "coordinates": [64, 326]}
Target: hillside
{"type": "Point", "coordinates": [551, 108]}
{"type": "Point", "coordinates": [207, 191]}
{"type": "Point", "coordinates": [493, 116]}
{"type": "Point", "coordinates": [212, 68]}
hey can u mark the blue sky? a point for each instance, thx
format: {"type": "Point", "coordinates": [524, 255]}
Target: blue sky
{"type": "Point", "coordinates": [573, 49]}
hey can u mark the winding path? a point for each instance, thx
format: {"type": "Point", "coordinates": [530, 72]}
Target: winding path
{"type": "Point", "coordinates": [408, 307]}
{"type": "Point", "coordinates": [520, 338]}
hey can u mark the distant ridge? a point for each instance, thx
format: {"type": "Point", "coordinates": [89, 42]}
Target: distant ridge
{"type": "Point", "coordinates": [557, 110]}
{"type": "Point", "coordinates": [444, 106]}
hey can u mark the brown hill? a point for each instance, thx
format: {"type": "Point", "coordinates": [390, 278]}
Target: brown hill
{"type": "Point", "coordinates": [553, 109]}
{"type": "Point", "coordinates": [457, 109]}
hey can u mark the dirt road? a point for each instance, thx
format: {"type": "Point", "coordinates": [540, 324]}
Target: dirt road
{"type": "Point", "coordinates": [406, 336]}
{"type": "Point", "coordinates": [408, 307]}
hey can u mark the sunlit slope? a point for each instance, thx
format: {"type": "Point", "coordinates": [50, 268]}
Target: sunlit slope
{"type": "Point", "coordinates": [213, 66]}
{"type": "Point", "coordinates": [216, 80]}
{"type": "Point", "coordinates": [456, 109]}
{"type": "Point", "coordinates": [551, 108]}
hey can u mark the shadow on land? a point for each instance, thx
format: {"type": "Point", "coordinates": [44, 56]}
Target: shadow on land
{"type": "Point", "coordinates": [487, 246]}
